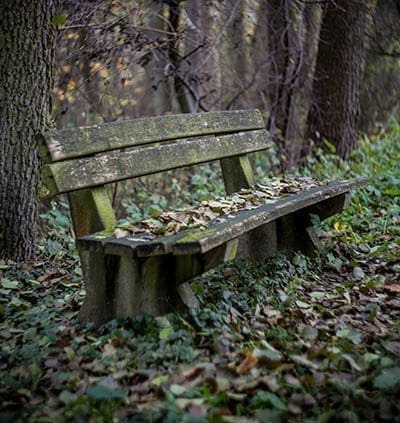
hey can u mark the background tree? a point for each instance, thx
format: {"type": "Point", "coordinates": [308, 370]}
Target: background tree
{"type": "Point", "coordinates": [380, 89]}
{"type": "Point", "coordinates": [338, 75]}
{"type": "Point", "coordinates": [27, 40]}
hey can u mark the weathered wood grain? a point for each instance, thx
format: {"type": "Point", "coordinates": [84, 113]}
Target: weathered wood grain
{"type": "Point", "coordinates": [99, 276]}
{"type": "Point", "coordinates": [144, 286]}
{"type": "Point", "coordinates": [80, 142]}
{"type": "Point", "coordinates": [118, 165]}
{"type": "Point", "coordinates": [238, 174]}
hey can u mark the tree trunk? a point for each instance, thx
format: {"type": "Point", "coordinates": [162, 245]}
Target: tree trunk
{"type": "Point", "coordinates": [183, 96]}
{"type": "Point", "coordinates": [235, 65]}
{"type": "Point", "coordinates": [284, 48]}
{"type": "Point", "coordinates": [259, 57]}
{"type": "Point", "coordinates": [159, 82]}
{"type": "Point", "coordinates": [197, 43]}
{"type": "Point", "coordinates": [311, 24]}
{"type": "Point", "coordinates": [91, 80]}
{"type": "Point", "coordinates": [27, 39]}
{"type": "Point", "coordinates": [339, 69]}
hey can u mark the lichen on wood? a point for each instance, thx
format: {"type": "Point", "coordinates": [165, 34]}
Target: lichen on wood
{"type": "Point", "coordinates": [118, 165]}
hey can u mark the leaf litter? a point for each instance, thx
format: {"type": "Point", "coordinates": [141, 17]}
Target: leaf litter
{"type": "Point", "coordinates": [291, 340]}
{"type": "Point", "coordinates": [209, 211]}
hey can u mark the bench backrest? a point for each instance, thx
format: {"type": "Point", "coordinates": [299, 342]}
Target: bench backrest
{"type": "Point", "coordinates": [85, 159]}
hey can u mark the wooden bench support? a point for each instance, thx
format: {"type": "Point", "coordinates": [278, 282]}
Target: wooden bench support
{"type": "Point", "coordinates": [124, 286]}
{"type": "Point", "coordinates": [98, 273]}
{"type": "Point", "coordinates": [144, 286]}
{"type": "Point", "coordinates": [295, 235]}
{"type": "Point", "coordinates": [259, 244]}
{"type": "Point", "coordinates": [91, 211]}
{"type": "Point", "coordinates": [296, 232]}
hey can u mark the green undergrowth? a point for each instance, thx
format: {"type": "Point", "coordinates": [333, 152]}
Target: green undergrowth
{"type": "Point", "coordinates": [294, 339]}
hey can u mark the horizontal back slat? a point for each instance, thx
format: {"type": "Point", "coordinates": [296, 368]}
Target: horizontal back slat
{"type": "Point", "coordinates": [118, 165]}
{"type": "Point", "coordinates": [79, 142]}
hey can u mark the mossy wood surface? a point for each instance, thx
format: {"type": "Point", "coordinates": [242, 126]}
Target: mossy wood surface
{"type": "Point", "coordinates": [91, 211]}
{"type": "Point", "coordinates": [118, 165]}
{"type": "Point", "coordinates": [79, 142]}
{"type": "Point", "coordinates": [126, 286]}
{"type": "Point", "coordinates": [249, 220]}
{"type": "Point", "coordinates": [323, 201]}
{"type": "Point", "coordinates": [237, 173]}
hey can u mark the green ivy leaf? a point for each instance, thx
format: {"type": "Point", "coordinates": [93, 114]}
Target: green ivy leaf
{"type": "Point", "coordinates": [102, 392]}
{"type": "Point", "coordinates": [388, 379]}
{"type": "Point", "coordinates": [350, 334]}
{"type": "Point", "coordinates": [165, 333]}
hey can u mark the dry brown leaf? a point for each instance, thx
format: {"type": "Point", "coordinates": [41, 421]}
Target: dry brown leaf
{"type": "Point", "coordinates": [392, 288]}
{"type": "Point", "coordinates": [247, 364]}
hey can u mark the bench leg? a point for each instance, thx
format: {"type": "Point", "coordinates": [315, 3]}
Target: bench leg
{"type": "Point", "coordinates": [98, 274]}
{"type": "Point", "coordinates": [188, 267]}
{"type": "Point", "coordinates": [295, 231]}
{"type": "Point", "coordinates": [296, 234]}
{"type": "Point", "coordinates": [145, 286]}
{"type": "Point", "coordinates": [259, 244]}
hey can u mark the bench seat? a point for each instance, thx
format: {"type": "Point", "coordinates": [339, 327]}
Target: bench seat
{"type": "Point", "coordinates": [323, 201]}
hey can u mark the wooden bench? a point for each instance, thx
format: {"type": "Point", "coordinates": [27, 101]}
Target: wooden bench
{"type": "Point", "coordinates": [128, 276]}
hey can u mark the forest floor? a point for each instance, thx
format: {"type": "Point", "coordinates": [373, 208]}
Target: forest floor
{"type": "Point", "coordinates": [292, 340]}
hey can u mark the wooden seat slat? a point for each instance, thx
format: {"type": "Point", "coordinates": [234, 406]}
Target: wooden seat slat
{"type": "Point", "coordinates": [79, 142]}
{"type": "Point", "coordinates": [118, 165]}
{"type": "Point", "coordinates": [248, 220]}
{"type": "Point", "coordinates": [200, 242]}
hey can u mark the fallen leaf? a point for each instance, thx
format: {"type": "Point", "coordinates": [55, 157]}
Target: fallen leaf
{"type": "Point", "coordinates": [392, 288]}
{"type": "Point", "coordinates": [388, 379]}
{"type": "Point", "coordinates": [304, 361]}
{"type": "Point", "coordinates": [247, 364]}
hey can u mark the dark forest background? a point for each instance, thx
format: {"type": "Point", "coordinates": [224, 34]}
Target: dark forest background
{"type": "Point", "coordinates": [126, 59]}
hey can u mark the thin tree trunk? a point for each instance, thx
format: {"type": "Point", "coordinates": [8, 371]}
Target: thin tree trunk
{"type": "Point", "coordinates": [183, 96]}
{"type": "Point", "coordinates": [27, 39]}
{"type": "Point", "coordinates": [260, 58]}
{"type": "Point", "coordinates": [197, 32]}
{"type": "Point", "coordinates": [284, 48]}
{"type": "Point", "coordinates": [311, 25]}
{"type": "Point", "coordinates": [338, 73]}
{"type": "Point", "coordinates": [160, 86]}
{"type": "Point", "coordinates": [91, 80]}
{"type": "Point", "coordinates": [236, 58]}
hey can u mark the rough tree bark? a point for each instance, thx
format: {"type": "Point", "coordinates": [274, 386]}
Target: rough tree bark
{"type": "Point", "coordinates": [338, 73]}
{"type": "Point", "coordinates": [27, 40]}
